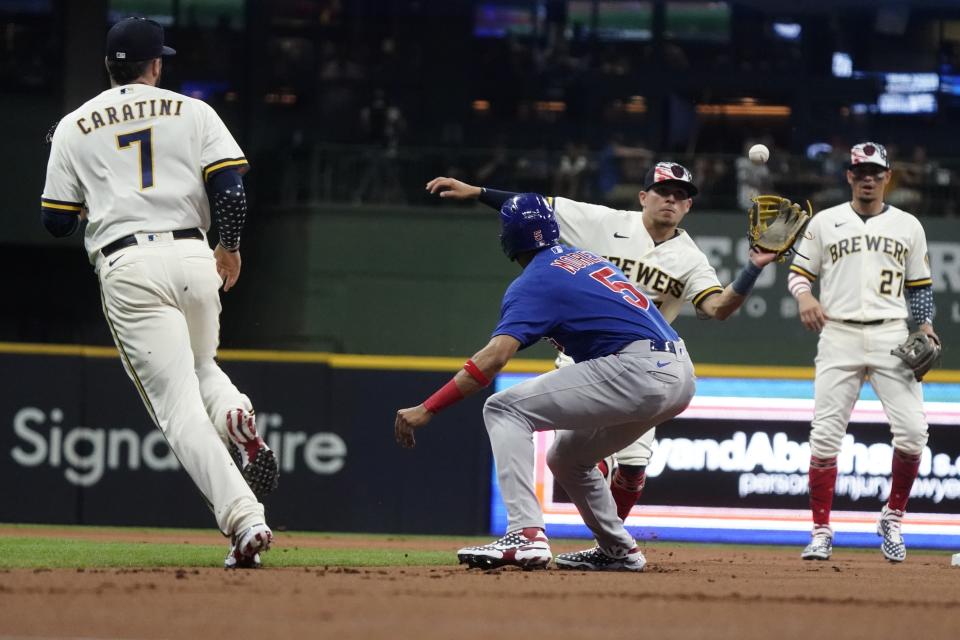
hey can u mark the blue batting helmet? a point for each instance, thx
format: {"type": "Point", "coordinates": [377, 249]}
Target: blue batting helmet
{"type": "Point", "coordinates": [527, 222]}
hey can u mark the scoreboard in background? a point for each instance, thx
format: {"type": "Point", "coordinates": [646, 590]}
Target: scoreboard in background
{"type": "Point", "coordinates": [733, 468]}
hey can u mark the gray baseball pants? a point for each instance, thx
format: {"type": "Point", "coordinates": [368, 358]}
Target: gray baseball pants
{"type": "Point", "coordinates": [597, 407]}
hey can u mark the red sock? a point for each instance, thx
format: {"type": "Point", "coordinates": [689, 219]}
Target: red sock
{"type": "Point", "coordinates": [531, 533]}
{"type": "Point", "coordinates": [604, 469]}
{"type": "Point", "coordinates": [627, 486]}
{"type": "Point", "coordinates": [905, 469]}
{"type": "Point", "coordinates": [823, 482]}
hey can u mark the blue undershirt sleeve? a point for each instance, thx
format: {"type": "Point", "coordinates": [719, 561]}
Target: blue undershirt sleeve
{"type": "Point", "coordinates": [59, 224]}
{"type": "Point", "coordinates": [493, 198]}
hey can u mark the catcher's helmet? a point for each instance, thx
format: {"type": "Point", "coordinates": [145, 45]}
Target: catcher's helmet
{"type": "Point", "coordinates": [527, 222]}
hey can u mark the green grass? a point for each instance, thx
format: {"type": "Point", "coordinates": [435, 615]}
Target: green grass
{"type": "Point", "coordinates": [67, 553]}
{"type": "Point", "coordinates": [57, 553]}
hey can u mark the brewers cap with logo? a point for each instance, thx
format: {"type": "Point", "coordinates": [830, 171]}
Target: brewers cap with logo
{"type": "Point", "coordinates": [868, 153]}
{"type": "Point", "coordinates": [135, 40]}
{"type": "Point", "coordinates": [670, 173]}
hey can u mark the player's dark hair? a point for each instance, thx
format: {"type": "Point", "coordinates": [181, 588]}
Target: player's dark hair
{"type": "Point", "coordinates": [125, 72]}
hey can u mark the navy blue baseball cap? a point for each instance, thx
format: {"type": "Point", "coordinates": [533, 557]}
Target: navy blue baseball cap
{"type": "Point", "coordinates": [135, 40]}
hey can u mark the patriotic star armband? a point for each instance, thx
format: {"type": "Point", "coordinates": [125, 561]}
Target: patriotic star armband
{"type": "Point", "coordinates": [228, 206]}
{"type": "Point", "coordinates": [920, 303]}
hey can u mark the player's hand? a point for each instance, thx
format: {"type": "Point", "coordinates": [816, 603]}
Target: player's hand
{"type": "Point", "coordinates": [452, 189]}
{"type": "Point", "coordinates": [761, 258]}
{"type": "Point", "coordinates": [407, 421]}
{"type": "Point", "coordinates": [928, 329]}
{"type": "Point", "coordinates": [811, 313]}
{"type": "Point", "coordinates": [228, 266]}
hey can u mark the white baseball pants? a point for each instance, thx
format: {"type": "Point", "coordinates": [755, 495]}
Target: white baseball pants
{"type": "Point", "coordinates": [848, 354]}
{"type": "Point", "coordinates": [598, 407]}
{"type": "Point", "coordinates": [161, 300]}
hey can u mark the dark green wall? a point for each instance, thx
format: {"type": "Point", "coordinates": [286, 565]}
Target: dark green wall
{"type": "Point", "coordinates": [428, 281]}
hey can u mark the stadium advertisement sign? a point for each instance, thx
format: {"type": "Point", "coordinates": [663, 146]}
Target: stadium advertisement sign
{"type": "Point", "coordinates": [733, 468]}
{"type": "Point", "coordinates": [78, 448]}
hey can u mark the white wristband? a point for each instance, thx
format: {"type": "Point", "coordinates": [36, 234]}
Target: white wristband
{"type": "Point", "coordinates": [798, 285]}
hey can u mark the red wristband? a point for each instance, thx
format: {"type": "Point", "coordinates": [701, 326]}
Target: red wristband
{"type": "Point", "coordinates": [443, 397]}
{"type": "Point", "coordinates": [475, 373]}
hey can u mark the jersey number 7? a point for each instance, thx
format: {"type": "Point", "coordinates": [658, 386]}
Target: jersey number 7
{"type": "Point", "coordinates": [143, 139]}
{"type": "Point", "coordinates": [629, 292]}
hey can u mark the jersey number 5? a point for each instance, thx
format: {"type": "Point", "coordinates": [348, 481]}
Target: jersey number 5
{"type": "Point", "coordinates": [144, 140]}
{"type": "Point", "coordinates": [629, 292]}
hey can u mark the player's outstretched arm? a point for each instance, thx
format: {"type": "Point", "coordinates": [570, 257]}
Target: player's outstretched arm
{"type": "Point", "coordinates": [721, 306]}
{"type": "Point", "coordinates": [475, 375]}
{"type": "Point", "coordinates": [453, 189]}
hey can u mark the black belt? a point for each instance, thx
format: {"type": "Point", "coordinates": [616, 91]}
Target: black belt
{"type": "Point", "coordinates": [667, 346]}
{"type": "Point", "coordinates": [865, 323]}
{"type": "Point", "coordinates": [126, 241]}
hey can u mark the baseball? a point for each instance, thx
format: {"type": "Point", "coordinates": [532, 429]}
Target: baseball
{"type": "Point", "coordinates": [759, 153]}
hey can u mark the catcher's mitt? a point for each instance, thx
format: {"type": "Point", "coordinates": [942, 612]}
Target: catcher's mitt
{"type": "Point", "coordinates": [920, 352]}
{"type": "Point", "coordinates": [776, 224]}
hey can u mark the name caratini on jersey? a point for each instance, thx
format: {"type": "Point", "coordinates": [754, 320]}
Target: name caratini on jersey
{"type": "Point", "coordinates": [139, 110]}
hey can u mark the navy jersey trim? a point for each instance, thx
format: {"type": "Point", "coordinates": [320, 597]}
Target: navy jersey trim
{"type": "Point", "coordinates": [806, 274]}
{"type": "Point", "coordinates": [706, 293]}
{"type": "Point", "coordinates": [225, 163]}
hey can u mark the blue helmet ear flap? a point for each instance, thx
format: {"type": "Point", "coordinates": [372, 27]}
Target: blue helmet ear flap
{"type": "Point", "coordinates": [527, 223]}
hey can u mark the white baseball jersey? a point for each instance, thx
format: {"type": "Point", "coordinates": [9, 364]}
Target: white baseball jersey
{"type": "Point", "coordinates": [863, 265]}
{"type": "Point", "coordinates": [670, 272]}
{"type": "Point", "coordinates": [137, 158]}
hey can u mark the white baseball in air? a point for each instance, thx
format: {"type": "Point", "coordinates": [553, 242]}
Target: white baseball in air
{"type": "Point", "coordinates": [759, 153]}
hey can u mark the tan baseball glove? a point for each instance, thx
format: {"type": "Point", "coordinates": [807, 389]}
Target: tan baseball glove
{"type": "Point", "coordinates": [776, 224]}
{"type": "Point", "coordinates": [920, 353]}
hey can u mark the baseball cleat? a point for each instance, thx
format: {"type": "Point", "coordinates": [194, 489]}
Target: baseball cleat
{"type": "Point", "coordinates": [597, 559]}
{"type": "Point", "coordinates": [257, 462]}
{"type": "Point", "coordinates": [821, 545]}
{"type": "Point", "coordinates": [245, 551]}
{"type": "Point", "coordinates": [513, 549]}
{"type": "Point", "coordinates": [888, 527]}
{"type": "Point", "coordinates": [231, 562]}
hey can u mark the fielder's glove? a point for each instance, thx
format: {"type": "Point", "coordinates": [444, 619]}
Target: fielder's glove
{"type": "Point", "coordinates": [920, 353]}
{"type": "Point", "coordinates": [776, 224]}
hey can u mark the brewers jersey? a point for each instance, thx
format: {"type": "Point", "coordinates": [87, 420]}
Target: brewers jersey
{"type": "Point", "coordinates": [581, 303]}
{"type": "Point", "coordinates": [670, 272]}
{"type": "Point", "coordinates": [132, 157]}
{"type": "Point", "coordinates": [863, 264]}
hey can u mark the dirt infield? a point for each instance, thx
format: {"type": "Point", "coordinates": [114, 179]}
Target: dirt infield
{"type": "Point", "coordinates": [686, 592]}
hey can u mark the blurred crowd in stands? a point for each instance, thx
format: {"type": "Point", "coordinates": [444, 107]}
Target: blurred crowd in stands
{"type": "Point", "coordinates": [584, 120]}
{"type": "Point", "coordinates": [612, 175]}
{"type": "Point", "coordinates": [364, 101]}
